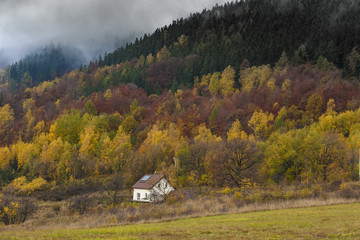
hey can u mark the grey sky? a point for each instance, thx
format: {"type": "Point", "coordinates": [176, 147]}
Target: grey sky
{"type": "Point", "coordinates": [94, 26]}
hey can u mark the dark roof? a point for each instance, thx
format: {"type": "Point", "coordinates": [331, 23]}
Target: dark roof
{"type": "Point", "coordinates": [148, 181]}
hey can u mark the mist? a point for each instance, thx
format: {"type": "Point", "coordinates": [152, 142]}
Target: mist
{"type": "Point", "coordinates": [92, 26]}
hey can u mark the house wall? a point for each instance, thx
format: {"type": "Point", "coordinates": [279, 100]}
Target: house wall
{"type": "Point", "coordinates": [158, 192]}
{"type": "Point", "coordinates": [142, 195]}
{"type": "Point", "coordinates": [162, 188]}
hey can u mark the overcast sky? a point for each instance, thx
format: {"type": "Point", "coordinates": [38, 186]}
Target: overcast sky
{"type": "Point", "coordinates": [94, 26]}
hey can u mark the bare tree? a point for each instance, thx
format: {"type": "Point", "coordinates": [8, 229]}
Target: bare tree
{"type": "Point", "coordinates": [241, 156]}
{"type": "Point", "coordinates": [113, 185]}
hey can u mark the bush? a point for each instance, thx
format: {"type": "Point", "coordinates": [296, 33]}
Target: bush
{"type": "Point", "coordinates": [80, 204]}
{"type": "Point", "coordinates": [15, 210]}
{"type": "Point", "coordinates": [20, 186]}
{"type": "Point", "coordinates": [350, 190]}
{"type": "Point", "coordinates": [56, 208]}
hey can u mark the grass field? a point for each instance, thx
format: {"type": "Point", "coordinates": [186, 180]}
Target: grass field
{"type": "Point", "coordinates": [325, 222]}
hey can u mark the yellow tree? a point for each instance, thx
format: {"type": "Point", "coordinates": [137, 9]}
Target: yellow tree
{"type": "Point", "coordinates": [141, 62]}
{"type": "Point", "coordinates": [254, 77]}
{"type": "Point", "coordinates": [313, 107]}
{"type": "Point", "coordinates": [122, 150]}
{"type": "Point", "coordinates": [286, 85]}
{"type": "Point", "coordinates": [283, 156]}
{"type": "Point", "coordinates": [108, 95]}
{"type": "Point", "coordinates": [259, 122]}
{"type": "Point", "coordinates": [236, 131]}
{"type": "Point", "coordinates": [56, 160]}
{"type": "Point", "coordinates": [89, 141]}
{"type": "Point", "coordinates": [149, 59]}
{"type": "Point", "coordinates": [164, 53]}
{"type": "Point", "coordinates": [333, 157]}
{"type": "Point", "coordinates": [204, 135]}
{"type": "Point", "coordinates": [227, 81]}
{"type": "Point", "coordinates": [6, 115]}
{"type": "Point", "coordinates": [214, 84]}
{"type": "Point", "coordinates": [205, 79]}
{"type": "Point", "coordinates": [5, 157]}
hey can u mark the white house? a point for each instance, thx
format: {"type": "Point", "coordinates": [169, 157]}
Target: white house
{"type": "Point", "coordinates": [151, 188]}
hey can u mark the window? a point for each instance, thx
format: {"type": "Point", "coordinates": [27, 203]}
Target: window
{"type": "Point", "coordinates": [138, 196]}
{"type": "Point", "coordinates": [146, 196]}
{"type": "Point", "coordinates": [165, 185]}
{"type": "Point", "coordinates": [144, 178]}
{"type": "Point", "coordinates": [159, 185]}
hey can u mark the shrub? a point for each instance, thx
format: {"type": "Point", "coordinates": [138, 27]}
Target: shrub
{"type": "Point", "coordinates": [20, 186]}
{"type": "Point", "coordinates": [56, 208]}
{"type": "Point", "coordinates": [349, 190]}
{"type": "Point", "coordinates": [80, 203]}
{"type": "Point", "coordinates": [15, 210]}
{"type": "Point", "coordinates": [226, 190]}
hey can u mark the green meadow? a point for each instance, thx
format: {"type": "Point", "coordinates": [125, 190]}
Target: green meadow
{"type": "Point", "coordinates": [325, 222]}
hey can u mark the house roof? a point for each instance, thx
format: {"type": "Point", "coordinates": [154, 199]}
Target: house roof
{"type": "Point", "coordinates": [148, 181]}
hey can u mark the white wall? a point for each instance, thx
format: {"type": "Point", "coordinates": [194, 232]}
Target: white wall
{"type": "Point", "coordinates": [164, 188]}
{"type": "Point", "coordinates": [142, 195]}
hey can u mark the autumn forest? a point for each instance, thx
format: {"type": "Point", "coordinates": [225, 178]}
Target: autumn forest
{"type": "Point", "coordinates": [233, 94]}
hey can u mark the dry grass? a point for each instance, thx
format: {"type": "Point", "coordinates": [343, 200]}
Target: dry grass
{"type": "Point", "coordinates": [187, 203]}
{"type": "Point", "coordinates": [335, 221]}
{"type": "Point", "coordinates": [48, 219]}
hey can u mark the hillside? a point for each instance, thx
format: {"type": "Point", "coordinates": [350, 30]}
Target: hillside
{"type": "Point", "coordinates": [258, 31]}
{"type": "Point", "coordinates": [237, 104]}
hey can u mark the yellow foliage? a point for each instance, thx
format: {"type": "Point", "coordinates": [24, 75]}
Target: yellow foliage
{"type": "Point", "coordinates": [28, 104]}
{"type": "Point", "coordinates": [167, 139]}
{"type": "Point", "coordinates": [39, 127]}
{"type": "Point", "coordinates": [26, 152]}
{"type": "Point", "coordinates": [326, 122]}
{"type": "Point", "coordinates": [164, 53]}
{"type": "Point", "coordinates": [259, 122]}
{"type": "Point", "coordinates": [57, 155]}
{"type": "Point", "coordinates": [214, 84]}
{"type": "Point", "coordinates": [52, 132]}
{"type": "Point", "coordinates": [330, 109]}
{"type": "Point", "coordinates": [354, 136]}
{"type": "Point", "coordinates": [37, 184]}
{"type": "Point", "coordinates": [286, 85]}
{"type": "Point", "coordinates": [254, 77]}
{"type": "Point", "coordinates": [19, 182]}
{"type": "Point", "coordinates": [29, 119]}
{"type": "Point", "coordinates": [6, 114]}
{"type": "Point", "coordinates": [205, 136]}
{"type": "Point", "coordinates": [271, 84]}
{"type": "Point", "coordinates": [236, 131]}
{"type": "Point", "coordinates": [227, 81]}
{"type": "Point", "coordinates": [108, 95]}
{"type": "Point", "coordinates": [89, 140]}
{"type": "Point", "coordinates": [149, 59]}
{"type": "Point", "coordinates": [42, 87]}
{"type": "Point", "coordinates": [205, 79]}
{"type": "Point", "coordinates": [22, 187]}
{"type": "Point", "coordinates": [5, 157]}
{"type": "Point", "coordinates": [226, 190]}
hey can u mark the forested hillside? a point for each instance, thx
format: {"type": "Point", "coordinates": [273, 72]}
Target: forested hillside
{"type": "Point", "coordinates": [258, 31]}
{"type": "Point", "coordinates": [255, 91]}
{"type": "Point", "coordinates": [43, 65]}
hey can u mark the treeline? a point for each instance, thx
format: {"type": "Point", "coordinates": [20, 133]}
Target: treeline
{"type": "Point", "coordinates": [268, 125]}
{"type": "Point", "coordinates": [44, 65]}
{"type": "Point", "coordinates": [258, 31]}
